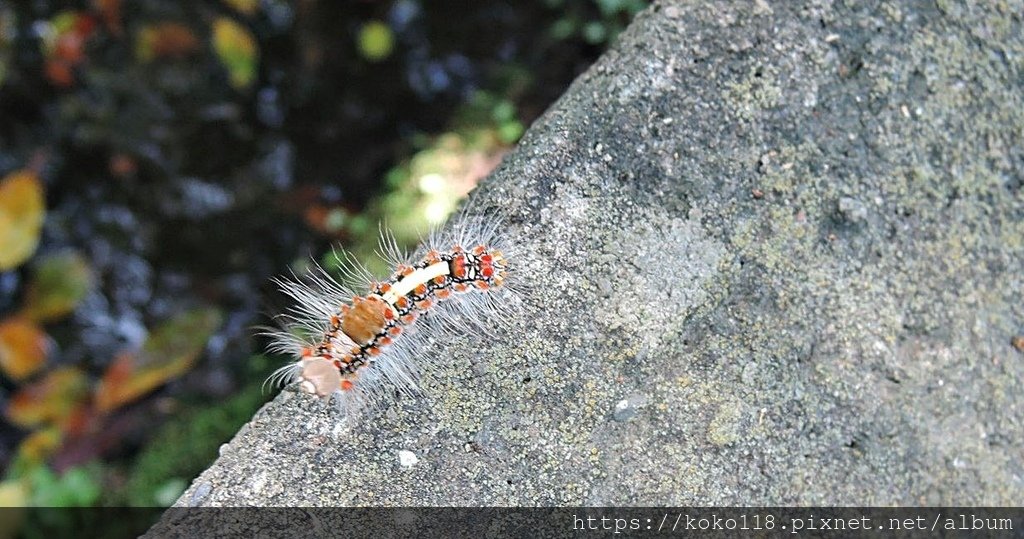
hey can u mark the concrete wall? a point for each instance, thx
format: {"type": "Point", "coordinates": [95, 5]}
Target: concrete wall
{"type": "Point", "coordinates": [775, 251]}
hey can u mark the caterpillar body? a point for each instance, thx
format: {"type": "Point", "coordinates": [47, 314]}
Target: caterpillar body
{"type": "Point", "coordinates": [361, 348]}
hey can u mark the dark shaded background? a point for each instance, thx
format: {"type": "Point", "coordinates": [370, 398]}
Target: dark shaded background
{"type": "Point", "coordinates": [188, 152]}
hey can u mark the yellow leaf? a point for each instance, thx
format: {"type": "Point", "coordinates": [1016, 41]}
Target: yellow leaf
{"type": "Point", "coordinates": [169, 352]}
{"type": "Point", "coordinates": [237, 50]}
{"type": "Point", "coordinates": [58, 284]}
{"type": "Point", "coordinates": [38, 446]}
{"type": "Point", "coordinates": [50, 400]}
{"type": "Point", "coordinates": [22, 210]}
{"type": "Point", "coordinates": [245, 7]}
{"type": "Point", "coordinates": [64, 21]}
{"type": "Point", "coordinates": [376, 41]}
{"type": "Point", "coordinates": [14, 499]}
{"type": "Point", "coordinates": [23, 348]}
{"type": "Point", "coordinates": [13, 493]}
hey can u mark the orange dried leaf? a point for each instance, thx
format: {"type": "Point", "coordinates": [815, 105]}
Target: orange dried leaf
{"type": "Point", "coordinates": [22, 210]}
{"type": "Point", "coordinates": [110, 12]}
{"type": "Point", "coordinates": [64, 45]}
{"type": "Point", "coordinates": [169, 352]}
{"type": "Point", "coordinates": [316, 216]}
{"type": "Point", "coordinates": [49, 400]}
{"type": "Point", "coordinates": [69, 47]}
{"type": "Point", "coordinates": [165, 40]}
{"type": "Point", "coordinates": [237, 50]}
{"type": "Point", "coordinates": [58, 284]}
{"type": "Point", "coordinates": [59, 72]}
{"type": "Point", "coordinates": [23, 348]}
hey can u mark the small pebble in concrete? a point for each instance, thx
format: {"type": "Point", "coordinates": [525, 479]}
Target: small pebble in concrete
{"type": "Point", "coordinates": [407, 458]}
{"type": "Point", "coordinates": [852, 209]}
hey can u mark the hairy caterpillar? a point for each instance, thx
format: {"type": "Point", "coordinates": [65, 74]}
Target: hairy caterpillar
{"type": "Point", "coordinates": [361, 348]}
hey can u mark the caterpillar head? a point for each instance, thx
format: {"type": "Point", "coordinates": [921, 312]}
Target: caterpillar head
{"type": "Point", "coordinates": [319, 376]}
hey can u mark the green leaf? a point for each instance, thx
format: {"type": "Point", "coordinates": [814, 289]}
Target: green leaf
{"type": "Point", "coordinates": [166, 494]}
{"type": "Point", "coordinates": [610, 7]}
{"type": "Point", "coordinates": [509, 132]}
{"type": "Point", "coordinates": [237, 50]}
{"type": "Point", "coordinates": [563, 28]}
{"type": "Point", "coordinates": [58, 285]}
{"type": "Point", "coordinates": [376, 41]}
{"type": "Point", "coordinates": [504, 111]}
{"type": "Point", "coordinates": [76, 487]}
{"type": "Point", "coordinates": [595, 32]}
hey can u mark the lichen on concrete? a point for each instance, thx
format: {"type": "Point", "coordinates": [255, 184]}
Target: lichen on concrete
{"type": "Point", "coordinates": [789, 237]}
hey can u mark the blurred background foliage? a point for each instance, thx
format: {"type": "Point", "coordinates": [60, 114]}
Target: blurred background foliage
{"type": "Point", "coordinates": [160, 161]}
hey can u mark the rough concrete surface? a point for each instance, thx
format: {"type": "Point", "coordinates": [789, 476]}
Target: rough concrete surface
{"type": "Point", "coordinates": [777, 254]}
